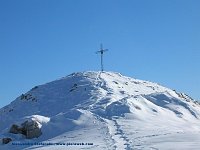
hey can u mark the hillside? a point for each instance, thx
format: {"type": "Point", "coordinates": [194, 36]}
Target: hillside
{"type": "Point", "coordinates": [102, 110]}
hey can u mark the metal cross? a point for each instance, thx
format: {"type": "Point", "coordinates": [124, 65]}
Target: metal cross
{"type": "Point", "coordinates": [101, 51]}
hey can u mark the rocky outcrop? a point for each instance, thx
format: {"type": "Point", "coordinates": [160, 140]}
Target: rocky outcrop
{"type": "Point", "coordinates": [29, 128]}
{"type": "Point", "coordinates": [15, 129]}
{"type": "Point", "coordinates": [6, 140]}
{"type": "Point", "coordinates": [32, 129]}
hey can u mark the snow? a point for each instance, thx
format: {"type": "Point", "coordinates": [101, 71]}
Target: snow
{"type": "Point", "coordinates": [103, 110]}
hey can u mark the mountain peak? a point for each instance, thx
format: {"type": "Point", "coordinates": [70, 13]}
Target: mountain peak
{"type": "Point", "coordinates": [99, 99]}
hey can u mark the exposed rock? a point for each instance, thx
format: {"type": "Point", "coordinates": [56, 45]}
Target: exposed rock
{"type": "Point", "coordinates": [6, 140]}
{"type": "Point", "coordinates": [27, 97]}
{"type": "Point", "coordinates": [32, 129]}
{"type": "Point", "coordinates": [74, 87]}
{"type": "Point", "coordinates": [29, 128]}
{"type": "Point", "coordinates": [34, 88]}
{"type": "Point", "coordinates": [22, 96]}
{"type": "Point", "coordinates": [15, 129]}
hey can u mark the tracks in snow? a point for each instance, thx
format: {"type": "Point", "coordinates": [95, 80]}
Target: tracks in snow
{"type": "Point", "coordinates": [119, 138]}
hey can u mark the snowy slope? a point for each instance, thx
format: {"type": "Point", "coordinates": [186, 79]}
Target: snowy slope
{"type": "Point", "coordinates": [104, 111]}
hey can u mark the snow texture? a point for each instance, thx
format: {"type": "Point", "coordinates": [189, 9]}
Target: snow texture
{"type": "Point", "coordinates": [103, 110]}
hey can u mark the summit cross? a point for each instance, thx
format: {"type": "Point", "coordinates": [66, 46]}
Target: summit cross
{"type": "Point", "coordinates": [101, 51]}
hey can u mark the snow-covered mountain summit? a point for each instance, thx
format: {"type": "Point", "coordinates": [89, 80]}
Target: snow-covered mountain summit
{"type": "Point", "coordinates": [106, 109]}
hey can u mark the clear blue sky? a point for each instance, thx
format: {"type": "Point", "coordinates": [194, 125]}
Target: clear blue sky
{"type": "Point", "coordinates": [42, 40]}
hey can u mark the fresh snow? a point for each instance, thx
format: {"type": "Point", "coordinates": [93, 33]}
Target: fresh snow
{"type": "Point", "coordinates": [103, 110]}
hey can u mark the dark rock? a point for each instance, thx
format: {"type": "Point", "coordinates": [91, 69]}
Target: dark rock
{"type": "Point", "coordinates": [10, 110]}
{"type": "Point", "coordinates": [22, 96]}
{"type": "Point", "coordinates": [32, 129]}
{"type": "Point", "coordinates": [6, 140]}
{"type": "Point", "coordinates": [29, 128]}
{"type": "Point", "coordinates": [115, 82]}
{"type": "Point", "coordinates": [137, 107]}
{"type": "Point", "coordinates": [15, 129]}
{"type": "Point", "coordinates": [34, 88]}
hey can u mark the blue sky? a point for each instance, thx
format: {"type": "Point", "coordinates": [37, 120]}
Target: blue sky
{"type": "Point", "coordinates": [42, 40]}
